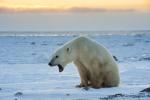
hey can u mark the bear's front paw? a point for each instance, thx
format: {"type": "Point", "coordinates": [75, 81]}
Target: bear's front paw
{"type": "Point", "coordinates": [80, 85]}
{"type": "Point", "coordinates": [83, 86]}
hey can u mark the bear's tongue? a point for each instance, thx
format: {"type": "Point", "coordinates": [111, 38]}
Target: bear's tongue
{"type": "Point", "coordinates": [60, 68]}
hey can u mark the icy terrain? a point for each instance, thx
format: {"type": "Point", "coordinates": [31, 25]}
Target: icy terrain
{"type": "Point", "coordinates": [25, 74]}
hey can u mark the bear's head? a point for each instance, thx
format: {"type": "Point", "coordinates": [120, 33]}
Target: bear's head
{"type": "Point", "coordinates": [62, 57]}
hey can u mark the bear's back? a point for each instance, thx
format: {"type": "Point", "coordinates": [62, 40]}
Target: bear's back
{"type": "Point", "coordinates": [94, 47]}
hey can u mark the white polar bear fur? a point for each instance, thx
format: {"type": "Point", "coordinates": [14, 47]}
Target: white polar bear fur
{"type": "Point", "coordinates": [96, 66]}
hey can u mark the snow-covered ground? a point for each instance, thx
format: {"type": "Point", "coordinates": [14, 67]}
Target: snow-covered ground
{"type": "Point", "coordinates": [25, 74]}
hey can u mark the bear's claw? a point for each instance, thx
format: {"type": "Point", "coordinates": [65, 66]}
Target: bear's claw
{"type": "Point", "coordinates": [79, 86]}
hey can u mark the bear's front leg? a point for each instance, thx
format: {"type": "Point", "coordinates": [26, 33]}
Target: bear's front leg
{"type": "Point", "coordinates": [83, 74]}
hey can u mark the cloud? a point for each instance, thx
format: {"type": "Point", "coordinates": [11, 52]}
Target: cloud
{"type": "Point", "coordinates": [5, 10]}
{"type": "Point", "coordinates": [20, 10]}
{"type": "Point", "coordinates": [80, 9]}
{"type": "Point", "coordinates": [50, 10]}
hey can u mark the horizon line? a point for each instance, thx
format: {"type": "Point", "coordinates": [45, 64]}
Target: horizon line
{"type": "Point", "coordinates": [77, 30]}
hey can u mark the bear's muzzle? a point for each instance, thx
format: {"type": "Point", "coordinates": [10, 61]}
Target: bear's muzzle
{"type": "Point", "coordinates": [60, 67]}
{"type": "Point", "coordinates": [50, 64]}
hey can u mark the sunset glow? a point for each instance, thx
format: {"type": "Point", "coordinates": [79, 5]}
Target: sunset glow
{"type": "Point", "coordinates": [73, 5]}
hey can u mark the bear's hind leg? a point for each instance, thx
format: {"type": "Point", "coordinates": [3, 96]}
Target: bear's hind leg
{"type": "Point", "coordinates": [96, 83]}
{"type": "Point", "coordinates": [111, 80]}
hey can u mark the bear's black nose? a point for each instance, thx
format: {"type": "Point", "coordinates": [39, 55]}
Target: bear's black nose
{"type": "Point", "coordinates": [50, 64]}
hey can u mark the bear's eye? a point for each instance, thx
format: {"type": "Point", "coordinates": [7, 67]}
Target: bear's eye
{"type": "Point", "coordinates": [56, 56]}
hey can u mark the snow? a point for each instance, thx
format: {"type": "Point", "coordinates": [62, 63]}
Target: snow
{"type": "Point", "coordinates": [24, 68]}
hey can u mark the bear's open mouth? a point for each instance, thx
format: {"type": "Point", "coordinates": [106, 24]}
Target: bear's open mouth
{"type": "Point", "coordinates": [60, 68]}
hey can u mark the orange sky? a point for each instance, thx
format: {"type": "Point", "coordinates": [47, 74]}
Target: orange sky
{"type": "Point", "coordinates": [74, 5]}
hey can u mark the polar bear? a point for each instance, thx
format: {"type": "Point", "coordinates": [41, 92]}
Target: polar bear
{"type": "Point", "coordinates": [96, 66]}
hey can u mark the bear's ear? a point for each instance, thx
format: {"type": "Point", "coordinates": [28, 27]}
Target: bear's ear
{"type": "Point", "coordinates": [68, 50]}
